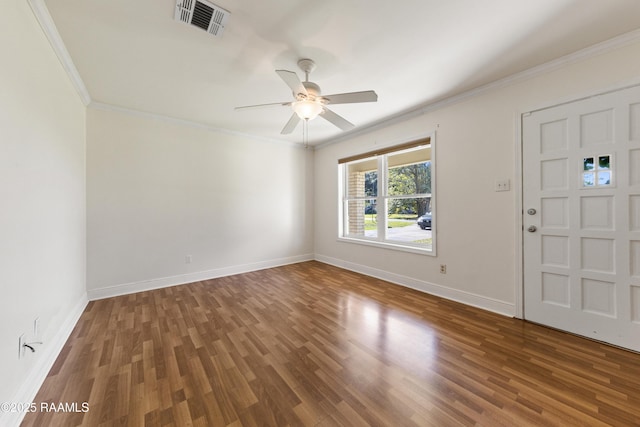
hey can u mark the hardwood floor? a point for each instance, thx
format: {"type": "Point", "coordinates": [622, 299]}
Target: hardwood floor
{"type": "Point", "coordinates": [313, 345]}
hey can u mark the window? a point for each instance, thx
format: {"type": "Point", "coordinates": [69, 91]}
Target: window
{"type": "Point", "coordinates": [387, 197]}
{"type": "Point", "coordinates": [597, 171]}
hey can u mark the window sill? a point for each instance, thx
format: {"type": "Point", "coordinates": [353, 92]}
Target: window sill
{"type": "Point", "coordinates": [388, 245]}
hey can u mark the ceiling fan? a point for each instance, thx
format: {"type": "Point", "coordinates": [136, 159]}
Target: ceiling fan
{"type": "Point", "coordinates": [308, 103]}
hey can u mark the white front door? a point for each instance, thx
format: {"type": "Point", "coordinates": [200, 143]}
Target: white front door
{"type": "Point", "coordinates": [581, 196]}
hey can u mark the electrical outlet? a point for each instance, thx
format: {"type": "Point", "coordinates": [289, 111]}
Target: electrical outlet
{"type": "Point", "coordinates": [188, 259]}
{"type": "Point", "coordinates": [21, 342]}
{"type": "Point", "coordinates": [443, 268]}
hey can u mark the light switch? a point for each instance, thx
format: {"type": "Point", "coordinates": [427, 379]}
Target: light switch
{"type": "Point", "coordinates": [503, 185]}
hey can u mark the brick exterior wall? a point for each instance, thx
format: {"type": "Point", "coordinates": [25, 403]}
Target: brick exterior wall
{"type": "Point", "coordinates": [356, 208]}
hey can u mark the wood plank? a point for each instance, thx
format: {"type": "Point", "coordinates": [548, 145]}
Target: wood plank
{"type": "Point", "coordinates": [312, 344]}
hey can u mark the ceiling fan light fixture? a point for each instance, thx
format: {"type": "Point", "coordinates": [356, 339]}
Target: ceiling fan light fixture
{"type": "Point", "coordinates": [307, 102]}
{"type": "Point", "coordinates": [307, 109]}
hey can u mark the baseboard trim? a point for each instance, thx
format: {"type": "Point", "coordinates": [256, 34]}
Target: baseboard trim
{"type": "Point", "coordinates": [48, 355]}
{"type": "Point", "coordinates": [474, 300]}
{"type": "Point", "coordinates": [164, 282]}
{"type": "Point", "coordinates": [35, 379]}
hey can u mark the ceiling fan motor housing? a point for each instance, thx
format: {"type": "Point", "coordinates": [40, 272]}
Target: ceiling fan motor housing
{"type": "Point", "coordinates": [313, 90]}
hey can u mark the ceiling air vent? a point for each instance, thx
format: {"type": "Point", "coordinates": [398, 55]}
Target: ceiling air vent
{"type": "Point", "coordinates": [202, 14]}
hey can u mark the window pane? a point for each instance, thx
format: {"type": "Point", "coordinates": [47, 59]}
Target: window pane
{"type": "Point", "coordinates": [410, 179]}
{"type": "Point", "coordinates": [409, 172]}
{"type": "Point", "coordinates": [604, 162]}
{"type": "Point", "coordinates": [361, 218]}
{"type": "Point", "coordinates": [371, 183]}
{"type": "Point", "coordinates": [409, 221]}
{"type": "Point", "coordinates": [362, 178]}
{"type": "Point", "coordinates": [588, 179]}
{"type": "Point", "coordinates": [604, 178]}
{"type": "Point", "coordinates": [588, 164]}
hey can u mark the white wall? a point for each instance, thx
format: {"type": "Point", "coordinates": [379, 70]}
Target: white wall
{"type": "Point", "coordinates": [42, 202]}
{"type": "Point", "coordinates": [159, 191]}
{"type": "Point", "coordinates": [476, 145]}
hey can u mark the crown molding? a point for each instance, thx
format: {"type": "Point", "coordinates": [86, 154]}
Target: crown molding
{"type": "Point", "coordinates": [184, 122]}
{"type": "Point", "coordinates": [572, 58]}
{"type": "Point", "coordinates": [48, 26]}
{"type": "Point", "coordinates": [43, 16]}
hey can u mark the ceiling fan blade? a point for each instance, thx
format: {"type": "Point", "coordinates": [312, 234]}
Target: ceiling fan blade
{"type": "Point", "coordinates": [337, 120]}
{"type": "Point", "coordinates": [293, 81]}
{"type": "Point", "coordinates": [352, 97]}
{"type": "Point", "coordinates": [283, 104]}
{"type": "Point", "coordinates": [291, 124]}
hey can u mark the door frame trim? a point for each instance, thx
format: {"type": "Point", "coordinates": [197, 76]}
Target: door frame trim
{"type": "Point", "coordinates": [519, 220]}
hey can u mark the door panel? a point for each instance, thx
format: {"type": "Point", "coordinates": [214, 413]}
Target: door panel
{"type": "Point", "coordinates": [581, 195]}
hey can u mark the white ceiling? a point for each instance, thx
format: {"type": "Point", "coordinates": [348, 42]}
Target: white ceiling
{"type": "Point", "coordinates": [133, 54]}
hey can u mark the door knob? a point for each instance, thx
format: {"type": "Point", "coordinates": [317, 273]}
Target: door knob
{"type": "Point", "coordinates": [531, 229]}
{"type": "Point", "coordinates": [531, 211]}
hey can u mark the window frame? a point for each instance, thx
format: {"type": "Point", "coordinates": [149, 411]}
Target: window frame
{"type": "Point", "coordinates": [383, 197]}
